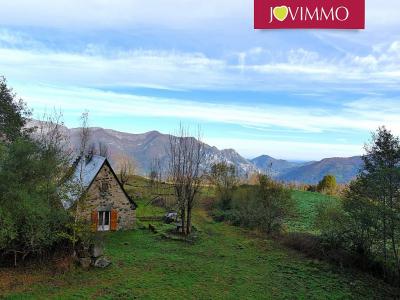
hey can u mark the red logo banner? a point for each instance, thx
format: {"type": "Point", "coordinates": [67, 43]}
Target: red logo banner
{"type": "Point", "coordinates": [319, 14]}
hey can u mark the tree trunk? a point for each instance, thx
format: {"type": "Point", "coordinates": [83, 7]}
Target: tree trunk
{"type": "Point", "coordinates": [395, 254]}
{"type": "Point", "coordinates": [384, 236]}
{"type": "Point", "coordinates": [189, 221]}
{"type": "Point", "coordinates": [394, 244]}
{"type": "Point", "coordinates": [183, 217]}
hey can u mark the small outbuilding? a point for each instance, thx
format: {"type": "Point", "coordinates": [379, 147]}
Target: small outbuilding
{"type": "Point", "coordinates": [101, 199]}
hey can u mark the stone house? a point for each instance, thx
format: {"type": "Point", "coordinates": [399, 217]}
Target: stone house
{"type": "Point", "coordinates": [103, 200]}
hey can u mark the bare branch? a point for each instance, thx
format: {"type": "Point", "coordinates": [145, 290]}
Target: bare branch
{"type": "Point", "coordinates": [187, 157]}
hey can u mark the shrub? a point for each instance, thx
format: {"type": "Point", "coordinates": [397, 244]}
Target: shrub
{"type": "Point", "coordinates": [225, 179]}
{"type": "Point", "coordinates": [264, 206]}
{"type": "Point", "coordinates": [327, 185]}
{"type": "Point", "coordinates": [276, 204]}
{"type": "Point", "coordinates": [332, 221]}
{"type": "Point", "coordinates": [311, 188]}
{"type": "Point", "coordinates": [316, 247]}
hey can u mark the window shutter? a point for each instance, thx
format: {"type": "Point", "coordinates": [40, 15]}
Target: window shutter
{"type": "Point", "coordinates": [95, 220]}
{"type": "Point", "coordinates": [114, 219]}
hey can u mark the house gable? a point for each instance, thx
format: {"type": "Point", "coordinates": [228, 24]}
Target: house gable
{"type": "Point", "coordinates": [105, 193]}
{"type": "Point", "coordinates": [84, 172]}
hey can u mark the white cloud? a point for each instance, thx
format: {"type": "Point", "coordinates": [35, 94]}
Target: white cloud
{"type": "Point", "coordinates": [167, 13]}
{"type": "Point", "coordinates": [121, 14]}
{"type": "Point", "coordinates": [378, 111]}
{"type": "Point", "coordinates": [361, 116]}
{"type": "Point", "coordinates": [298, 69]}
{"type": "Point", "coordinates": [380, 13]}
{"type": "Point", "coordinates": [133, 68]}
{"type": "Point", "coordinates": [269, 118]}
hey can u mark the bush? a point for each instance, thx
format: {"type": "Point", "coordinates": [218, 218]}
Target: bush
{"type": "Point", "coordinates": [332, 221]}
{"type": "Point", "coordinates": [218, 215]}
{"type": "Point", "coordinates": [311, 188]}
{"type": "Point", "coordinates": [327, 185]}
{"type": "Point", "coordinates": [276, 204]}
{"type": "Point", "coordinates": [264, 206]}
{"type": "Point", "coordinates": [224, 177]}
{"type": "Point", "coordinates": [316, 247]}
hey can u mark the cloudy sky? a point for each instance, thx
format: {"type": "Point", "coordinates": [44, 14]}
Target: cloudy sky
{"type": "Point", "coordinates": [147, 65]}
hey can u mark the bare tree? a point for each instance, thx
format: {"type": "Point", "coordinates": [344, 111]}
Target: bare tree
{"type": "Point", "coordinates": [155, 173]}
{"type": "Point", "coordinates": [186, 159]}
{"type": "Point", "coordinates": [84, 134]}
{"type": "Point", "coordinates": [103, 149]}
{"type": "Point", "coordinates": [84, 149]}
{"type": "Point", "coordinates": [127, 168]}
{"type": "Point", "coordinates": [99, 149]}
{"type": "Point", "coordinates": [91, 150]}
{"type": "Point", "coordinates": [51, 135]}
{"type": "Point", "coordinates": [54, 141]}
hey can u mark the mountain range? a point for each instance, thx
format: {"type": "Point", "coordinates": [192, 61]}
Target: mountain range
{"type": "Point", "coordinates": [343, 168]}
{"type": "Point", "coordinates": [144, 148]}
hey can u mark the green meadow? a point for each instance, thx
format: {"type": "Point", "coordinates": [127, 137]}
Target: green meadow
{"type": "Point", "coordinates": [224, 262]}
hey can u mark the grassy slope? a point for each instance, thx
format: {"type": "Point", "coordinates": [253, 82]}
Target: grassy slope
{"type": "Point", "coordinates": [227, 262]}
{"type": "Point", "coordinates": [306, 203]}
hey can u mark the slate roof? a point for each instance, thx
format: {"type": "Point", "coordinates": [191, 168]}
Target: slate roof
{"type": "Point", "coordinates": [84, 173]}
{"type": "Point", "coordinates": [89, 168]}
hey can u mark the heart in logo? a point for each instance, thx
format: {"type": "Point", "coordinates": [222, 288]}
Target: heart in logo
{"type": "Point", "coordinates": [281, 13]}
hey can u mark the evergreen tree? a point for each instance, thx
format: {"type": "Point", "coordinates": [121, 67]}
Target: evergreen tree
{"type": "Point", "coordinates": [13, 113]}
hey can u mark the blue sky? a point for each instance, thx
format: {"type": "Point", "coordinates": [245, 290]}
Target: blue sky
{"type": "Point", "coordinates": [147, 65]}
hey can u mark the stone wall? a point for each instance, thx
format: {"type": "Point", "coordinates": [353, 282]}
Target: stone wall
{"type": "Point", "coordinates": [105, 194]}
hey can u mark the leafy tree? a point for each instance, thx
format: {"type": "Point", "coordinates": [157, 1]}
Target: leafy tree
{"type": "Point", "coordinates": [275, 204]}
{"type": "Point", "coordinates": [13, 113]}
{"type": "Point", "coordinates": [327, 185]}
{"type": "Point", "coordinates": [31, 216]}
{"type": "Point", "coordinates": [333, 222]}
{"type": "Point", "coordinates": [371, 205]}
{"type": "Point", "coordinates": [225, 179]}
{"type": "Point", "coordinates": [362, 214]}
{"type": "Point", "coordinates": [381, 182]}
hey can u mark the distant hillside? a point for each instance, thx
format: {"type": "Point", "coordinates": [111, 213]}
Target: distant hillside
{"type": "Point", "coordinates": [344, 169]}
{"type": "Point", "coordinates": [145, 147]}
{"type": "Point", "coordinates": [274, 167]}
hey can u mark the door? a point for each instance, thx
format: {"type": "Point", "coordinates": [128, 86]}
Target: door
{"type": "Point", "coordinates": [104, 221]}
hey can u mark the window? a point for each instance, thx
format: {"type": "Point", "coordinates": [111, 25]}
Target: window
{"type": "Point", "coordinates": [104, 221]}
{"type": "Point", "coordinates": [104, 187]}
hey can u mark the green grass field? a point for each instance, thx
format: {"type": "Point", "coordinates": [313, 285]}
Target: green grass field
{"type": "Point", "coordinates": [225, 262]}
{"type": "Point", "coordinates": [306, 212]}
